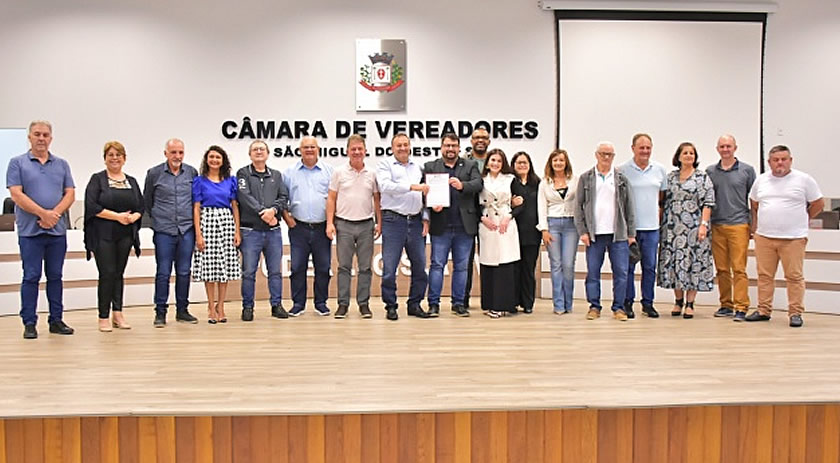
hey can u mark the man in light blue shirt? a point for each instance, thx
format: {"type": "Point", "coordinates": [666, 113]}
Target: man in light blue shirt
{"type": "Point", "coordinates": [647, 180]}
{"type": "Point", "coordinates": [403, 226]}
{"type": "Point", "coordinates": [308, 183]}
{"type": "Point", "coordinates": [41, 185]}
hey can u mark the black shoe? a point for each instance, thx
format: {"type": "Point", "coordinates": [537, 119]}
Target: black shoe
{"type": "Point", "coordinates": [795, 321]}
{"type": "Point", "coordinates": [434, 311]}
{"type": "Point", "coordinates": [60, 327]}
{"type": "Point", "coordinates": [278, 311]}
{"type": "Point", "coordinates": [30, 332]}
{"type": "Point", "coordinates": [160, 319]}
{"type": "Point", "coordinates": [739, 316]}
{"type": "Point", "coordinates": [628, 310]}
{"type": "Point", "coordinates": [461, 311]}
{"type": "Point", "coordinates": [757, 317]}
{"type": "Point", "coordinates": [724, 312]}
{"type": "Point", "coordinates": [528, 309]}
{"type": "Point", "coordinates": [417, 312]}
{"type": "Point", "coordinates": [297, 311]}
{"type": "Point", "coordinates": [364, 309]}
{"type": "Point", "coordinates": [184, 316]}
{"type": "Point", "coordinates": [650, 311]}
{"type": "Point", "coordinates": [392, 313]}
{"type": "Point", "coordinates": [341, 312]}
{"type": "Point", "coordinates": [247, 314]}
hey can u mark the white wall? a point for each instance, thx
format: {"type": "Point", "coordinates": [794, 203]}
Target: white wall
{"type": "Point", "coordinates": [142, 72]}
{"type": "Point", "coordinates": [801, 92]}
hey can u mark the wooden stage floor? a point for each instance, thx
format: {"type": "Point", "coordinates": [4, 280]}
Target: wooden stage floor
{"type": "Point", "coordinates": [316, 365]}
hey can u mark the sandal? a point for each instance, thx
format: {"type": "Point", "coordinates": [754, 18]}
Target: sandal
{"type": "Point", "coordinates": [678, 303]}
{"type": "Point", "coordinates": [493, 314]}
{"type": "Point", "coordinates": [220, 316]}
{"type": "Point", "coordinates": [212, 316]}
{"type": "Point", "coordinates": [689, 310]}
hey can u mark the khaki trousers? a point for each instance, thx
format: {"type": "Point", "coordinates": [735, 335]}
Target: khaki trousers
{"type": "Point", "coordinates": [768, 253]}
{"type": "Point", "coordinates": [729, 248]}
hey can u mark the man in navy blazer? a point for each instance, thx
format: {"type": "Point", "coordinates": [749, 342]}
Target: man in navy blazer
{"type": "Point", "coordinates": [453, 228]}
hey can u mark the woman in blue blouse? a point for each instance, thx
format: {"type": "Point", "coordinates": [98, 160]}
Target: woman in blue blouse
{"type": "Point", "coordinates": [216, 217]}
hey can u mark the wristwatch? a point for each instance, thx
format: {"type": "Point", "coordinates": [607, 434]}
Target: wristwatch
{"type": "Point", "coordinates": [704, 223]}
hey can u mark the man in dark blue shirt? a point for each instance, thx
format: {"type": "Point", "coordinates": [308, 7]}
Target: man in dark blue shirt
{"type": "Point", "coordinates": [168, 196]}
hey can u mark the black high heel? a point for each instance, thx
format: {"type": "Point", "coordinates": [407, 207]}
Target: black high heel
{"type": "Point", "coordinates": [678, 303]}
{"type": "Point", "coordinates": [689, 306]}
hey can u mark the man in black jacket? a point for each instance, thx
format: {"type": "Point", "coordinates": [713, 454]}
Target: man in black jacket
{"type": "Point", "coordinates": [262, 198]}
{"type": "Point", "coordinates": [454, 227]}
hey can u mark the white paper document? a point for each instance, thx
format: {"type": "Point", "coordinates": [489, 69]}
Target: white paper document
{"type": "Point", "coordinates": [438, 190]}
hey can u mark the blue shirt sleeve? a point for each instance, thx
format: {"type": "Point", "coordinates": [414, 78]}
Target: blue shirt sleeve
{"type": "Point", "coordinates": [13, 173]}
{"type": "Point", "coordinates": [68, 177]}
{"type": "Point", "coordinates": [234, 188]}
{"type": "Point", "coordinates": [197, 190]}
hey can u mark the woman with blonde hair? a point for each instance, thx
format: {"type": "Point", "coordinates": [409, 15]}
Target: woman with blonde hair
{"type": "Point", "coordinates": [555, 212]}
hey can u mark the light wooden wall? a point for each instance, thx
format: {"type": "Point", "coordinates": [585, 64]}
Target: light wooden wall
{"type": "Point", "coordinates": [710, 434]}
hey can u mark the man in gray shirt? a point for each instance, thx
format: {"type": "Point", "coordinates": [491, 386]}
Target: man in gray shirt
{"type": "Point", "coordinates": [732, 179]}
{"type": "Point", "coordinates": [168, 197]}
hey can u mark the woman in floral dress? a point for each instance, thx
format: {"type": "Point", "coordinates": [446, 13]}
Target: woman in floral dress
{"type": "Point", "coordinates": [685, 249]}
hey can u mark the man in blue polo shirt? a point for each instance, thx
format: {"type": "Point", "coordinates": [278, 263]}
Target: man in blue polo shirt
{"type": "Point", "coordinates": [647, 181]}
{"type": "Point", "coordinates": [42, 188]}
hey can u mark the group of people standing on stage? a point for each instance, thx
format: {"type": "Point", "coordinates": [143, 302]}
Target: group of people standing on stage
{"type": "Point", "coordinates": [682, 226]}
{"type": "Point", "coordinates": [203, 220]}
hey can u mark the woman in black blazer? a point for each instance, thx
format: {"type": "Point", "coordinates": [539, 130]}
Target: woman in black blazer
{"type": "Point", "coordinates": [113, 208]}
{"type": "Point", "coordinates": [524, 189]}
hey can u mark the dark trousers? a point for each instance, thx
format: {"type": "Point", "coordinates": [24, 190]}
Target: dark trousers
{"type": "Point", "coordinates": [496, 293]}
{"type": "Point", "coordinates": [305, 240]}
{"type": "Point", "coordinates": [470, 270]}
{"type": "Point", "coordinates": [36, 253]}
{"type": "Point", "coordinates": [525, 279]}
{"type": "Point", "coordinates": [111, 258]}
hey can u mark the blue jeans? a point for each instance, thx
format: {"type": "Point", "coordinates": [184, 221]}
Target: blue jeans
{"type": "Point", "coordinates": [562, 253]}
{"type": "Point", "coordinates": [398, 232]}
{"type": "Point", "coordinates": [270, 244]}
{"type": "Point", "coordinates": [306, 239]}
{"type": "Point", "coordinates": [460, 243]}
{"type": "Point", "coordinates": [619, 255]}
{"type": "Point", "coordinates": [37, 252]}
{"type": "Point", "coordinates": [648, 244]}
{"type": "Point", "coordinates": [169, 249]}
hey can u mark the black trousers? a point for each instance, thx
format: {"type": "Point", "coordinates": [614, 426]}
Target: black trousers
{"type": "Point", "coordinates": [496, 293]}
{"type": "Point", "coordinates": [111, 258]}
{"type": "Point", "coordinates": [526, 283]}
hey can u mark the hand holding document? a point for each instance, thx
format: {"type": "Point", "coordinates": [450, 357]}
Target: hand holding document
{"type": "Point", "coordinates": [438, 190]}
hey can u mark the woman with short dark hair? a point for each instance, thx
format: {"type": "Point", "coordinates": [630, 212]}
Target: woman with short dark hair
{"type": "Point", "coordinates": [685, 250]}
{"type": "Point", "coordinates": [113, 208]}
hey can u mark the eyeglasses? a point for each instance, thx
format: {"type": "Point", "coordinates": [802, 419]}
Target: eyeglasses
{"type": "Point", "coordinates": [259, 148]}
{"type": "Point", "coordinates": [604, 154]}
